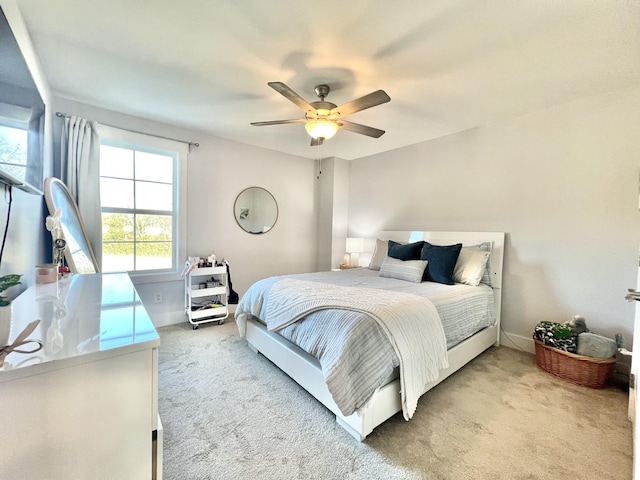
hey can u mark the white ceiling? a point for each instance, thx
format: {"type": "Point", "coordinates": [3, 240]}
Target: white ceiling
{"type": "Point", "coordinates": [447, 65]}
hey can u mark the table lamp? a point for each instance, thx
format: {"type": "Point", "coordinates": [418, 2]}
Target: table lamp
{"type": "Point", "coordinates": [355, 246]}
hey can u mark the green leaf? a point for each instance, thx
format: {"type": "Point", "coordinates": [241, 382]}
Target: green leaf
{"type": "Point", "coordinates": [561, 331]}
{"type": "Point", "coordinates": [3, 301]}
{"type": "Point", "coordinates": [9, 281]}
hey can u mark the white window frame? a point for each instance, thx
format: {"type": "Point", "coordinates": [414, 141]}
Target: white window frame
{"type": "Point", "coordinates": [122, 138]}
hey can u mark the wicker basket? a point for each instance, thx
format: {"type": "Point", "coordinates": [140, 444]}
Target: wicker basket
{"type": "Point", "coordinates": [578, 369]}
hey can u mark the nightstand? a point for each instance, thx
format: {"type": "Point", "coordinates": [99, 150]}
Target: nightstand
{"type": "Point", "coordinates": [347, 267]}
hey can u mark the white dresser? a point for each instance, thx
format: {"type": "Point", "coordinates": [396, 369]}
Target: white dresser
{"type": "Point", "coordinates": [86, 404]}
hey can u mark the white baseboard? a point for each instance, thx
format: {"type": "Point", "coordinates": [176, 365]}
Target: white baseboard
{"type": "Point", "coordinates": [168, 318]}
{"type": "Point", "coordinates": [518, 342]}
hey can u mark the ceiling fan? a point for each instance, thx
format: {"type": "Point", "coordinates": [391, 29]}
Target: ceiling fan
{"type": "Point", "coordinates": [323, 119]}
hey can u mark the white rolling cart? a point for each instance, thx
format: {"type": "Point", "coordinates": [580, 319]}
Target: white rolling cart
{"type": "Point", "coordinates": [206, 295]}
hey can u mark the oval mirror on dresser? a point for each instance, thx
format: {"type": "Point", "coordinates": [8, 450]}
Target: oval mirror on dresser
{"type": "Point", "coordinates": [255, 210]}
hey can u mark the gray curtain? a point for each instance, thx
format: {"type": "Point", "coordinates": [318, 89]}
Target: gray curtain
{"type": "Point", "coordinates": [80, 171]}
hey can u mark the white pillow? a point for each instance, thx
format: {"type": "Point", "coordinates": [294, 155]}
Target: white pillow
{"type": "Point", "coordinates": [486, 277]}
{"type": "Point", "coordinates": [409, 270]}
{"type": "Point", "coordinates": [471, 265]}
{"type": "Point", "coordinates": [379, 254]}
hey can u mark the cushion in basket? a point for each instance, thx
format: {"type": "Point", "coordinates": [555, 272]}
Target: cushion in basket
{"type": "Point", "coordinates": [556, 335]}
{"type": "Point", "coordinates": [596, 346]}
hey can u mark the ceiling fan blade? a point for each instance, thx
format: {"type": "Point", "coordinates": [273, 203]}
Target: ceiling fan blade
{"type": "Point", "coordinates": [286, 92]}
{"type": "Point", "coordinates": [279, 122]}
{"type": "Point", "coordinates": [316, 141]}
{"type": "Point", "coordinates": [375, 98]}
{"type": "Point", "coordinates": [361, 129]}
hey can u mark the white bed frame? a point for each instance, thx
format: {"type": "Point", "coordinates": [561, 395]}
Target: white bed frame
{"type": "Point", "coordinates": [305, 369]}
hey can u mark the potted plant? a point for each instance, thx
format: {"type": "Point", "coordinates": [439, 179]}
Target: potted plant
{"type": "Point", "coordinates": [7, 281]}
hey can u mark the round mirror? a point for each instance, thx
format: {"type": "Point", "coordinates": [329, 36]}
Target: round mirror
{"type": "Point", "coordinates": [256, 210]}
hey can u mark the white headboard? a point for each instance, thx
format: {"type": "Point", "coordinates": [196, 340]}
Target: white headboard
{"type": "Point", "coordinates": [495, 239]}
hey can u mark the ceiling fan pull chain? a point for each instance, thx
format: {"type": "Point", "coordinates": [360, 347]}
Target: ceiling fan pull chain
{"type": "Point", "coordinates": [319, 163]}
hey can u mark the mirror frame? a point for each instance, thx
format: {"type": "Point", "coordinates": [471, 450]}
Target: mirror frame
{"type": "Point", "coordinates": [238, 217]}
{"type": "Point", "coordinates": [78, 253]}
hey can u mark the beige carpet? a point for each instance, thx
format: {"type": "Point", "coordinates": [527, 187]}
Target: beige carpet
{"type": "Point", "coordinates": [231, 414]}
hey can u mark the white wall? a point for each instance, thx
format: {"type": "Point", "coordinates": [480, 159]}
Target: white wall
{"type": "Point", "coordinates": [333, 214]}
{"type": "Point", "coordinates": [562, 183]}
{"type": "Point", "coordinates": [218, 170]}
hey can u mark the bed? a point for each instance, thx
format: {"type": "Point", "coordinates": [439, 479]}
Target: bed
{"type": "Point", "coordinates": [467, 323]}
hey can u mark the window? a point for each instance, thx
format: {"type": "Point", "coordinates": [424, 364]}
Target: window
{"type": "Point", "coordinates": [140, 202]}
{"type": "Point", "coordinates": [13, 142]}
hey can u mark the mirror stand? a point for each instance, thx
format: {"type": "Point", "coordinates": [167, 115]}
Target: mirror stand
{"type": "Point", "coordinates": [75, 244]}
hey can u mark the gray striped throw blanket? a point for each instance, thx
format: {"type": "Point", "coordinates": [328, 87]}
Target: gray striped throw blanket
{"type": "Point", "coordinates": [410, 322]}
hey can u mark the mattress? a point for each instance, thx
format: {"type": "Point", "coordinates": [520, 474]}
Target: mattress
{"type": "Point", "coordinates": [463, 309]}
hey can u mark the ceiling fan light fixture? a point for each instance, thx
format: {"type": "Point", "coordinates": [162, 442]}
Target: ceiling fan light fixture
{"type": "Point", "coordinates": [321, 128]}
{"type": "Point", "coordinates": [322, 119]}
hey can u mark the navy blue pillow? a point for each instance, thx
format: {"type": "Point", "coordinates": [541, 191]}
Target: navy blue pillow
{"type": "Point", "coordinates": [441, 262]}
{"type": "Point", "coordinates": [410, 251]}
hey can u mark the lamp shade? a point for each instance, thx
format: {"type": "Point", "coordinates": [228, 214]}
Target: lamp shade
{"type": "Point", "coordinates": [355, 245]}
{"type": "Point", "coordinates": [321, 128]}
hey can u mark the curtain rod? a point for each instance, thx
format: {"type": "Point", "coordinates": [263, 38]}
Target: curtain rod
{"type": "Point", "coordinates": [191, 144]}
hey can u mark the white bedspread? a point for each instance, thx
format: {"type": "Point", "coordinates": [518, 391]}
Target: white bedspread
{"type": "Point", "coordinates": [411, 323]}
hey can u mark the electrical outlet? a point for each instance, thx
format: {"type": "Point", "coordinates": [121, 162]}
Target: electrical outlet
{"type": "Point", "coordinates": [157, 298]}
